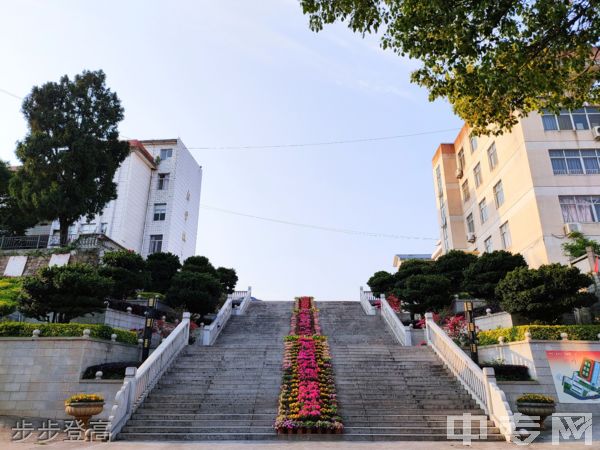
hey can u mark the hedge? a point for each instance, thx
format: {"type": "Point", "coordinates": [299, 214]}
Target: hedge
{"type": "Point", "coordinates": [110, 371]}
{"type": "Point", "coordinates": [540, 332]}
{"type": "Point", "coordinates": [509, 372]}
{"type": "Point", "coordinates": [24, 329]}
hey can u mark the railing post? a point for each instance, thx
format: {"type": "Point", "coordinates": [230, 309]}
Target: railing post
{"type": "Point", "coordinates": [186, 319]}
{"type": "Point", "coordinates": [428, 319]}
{"type": "Point", "coordinates": [130, 377]}
{"type": "Point", "coordinates": [490, 377]}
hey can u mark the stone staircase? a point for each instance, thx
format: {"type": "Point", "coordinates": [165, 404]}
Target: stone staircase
{"type": "Point", "coordinates": [386, 391]}
{"type": "Point", "coordinates": [228, 391]}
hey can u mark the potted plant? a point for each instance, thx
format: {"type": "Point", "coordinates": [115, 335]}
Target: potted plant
{"type": "Point", "coordinates": [83, 406]}
{"type": "Point", "coordinates": [536, 405]}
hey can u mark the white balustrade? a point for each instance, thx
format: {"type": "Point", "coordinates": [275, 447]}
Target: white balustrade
{"type": "Point", "coordinates": [247, 298]}
{"type": "Point", "coordinates": [365, 297]}
{"type": "Point", "coordinates": [209, 333]}
{"type": "Point", "coordinates": [402, 333]}
{"type": "Point", "coordinates": [139, 382]}
{"type": "Point", "coordinates": [481, 384]}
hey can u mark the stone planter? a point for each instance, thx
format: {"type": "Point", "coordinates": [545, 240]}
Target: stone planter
{"type": "Point", "coordinates": [542, 410]}
{"type": "Point", "coordinates": [84, 411]}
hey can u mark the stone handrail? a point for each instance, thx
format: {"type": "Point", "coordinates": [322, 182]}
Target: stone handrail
{"type": "Point", "coordinates": [479, 383]}
{"type": "Point", "coordinates": [140, 381]}
{"type": "Point", "coordinates": [396, 326]}
{"type": "Point", "coordinates": [365, 297]}
{"type": "Point", "coordinates": [247, 298]}
{"type": "Point", "coordinates": [209, 333]}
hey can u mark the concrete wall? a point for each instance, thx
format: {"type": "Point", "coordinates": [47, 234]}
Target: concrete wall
{"type": "Point", "coordinates": [114, 318]}
{"type": "Point", "coordinates": [533, 355]}
{"type": "Point", "coordinates": [37, 375]}
{"type": "Point", "coordinates": [494, 321]}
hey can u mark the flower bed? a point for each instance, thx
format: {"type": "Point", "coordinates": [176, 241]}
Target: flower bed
{"type": "Point", "coordinates": [308, 400]}
{"type": "Point", "coordinates": [305, 320]}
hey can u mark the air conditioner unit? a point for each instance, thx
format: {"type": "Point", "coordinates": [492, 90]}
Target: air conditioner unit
{"type": "Point", "coordinates": [596, 133]}
{"type": "Point", "coordinates": [459, 173]}
{"type": "Point", "coordinates": [471, 237]}
{"type": "Point", "coordinates": [572, 227]}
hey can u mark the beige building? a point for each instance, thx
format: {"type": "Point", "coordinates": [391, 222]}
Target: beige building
{"type": "Point", "coordinates": [522, 191]}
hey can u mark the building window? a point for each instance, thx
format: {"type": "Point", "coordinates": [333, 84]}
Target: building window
{"type": "Point", "coordinates": [163, 181]}
{"type": "Point", "coordinates": [166, 153]}
{"type": "Point", "coordinates": [160, 211]}
{"type": "Point", "coordinates": [87, 228]}
{"type": "Point", "coordinates": [578, 119]}
{"type": "Point", "coordinates": [498, 194]}
{"type": "Point", "coordinates": [461, 158]}
{"type": "Point", "coordinates": [185, 215]}
{"type": "Point", "coordinates": [483, 211]}
{"type": "Point", "coordinates": [477, 175]}
{"type": "Point", "coordinates": [492, 156]}
{"type": "Point", "coordinates": [156, 241]}
{"type": "Point", "coordinates": [183, 236]}
{"type": "Point", "coordinates": [438, 178]}
{"type": "Point", "coordinates": [443, 214]}
{"type": "Point", "coordinates": [580, 208]}
{"type": "Point", "coordinates": [445, 237]}
{"type": "Point", "coordinates": [488, 244]}
{"type": "Point", "coordinates": [505, 236]}
{"type": "Point", "coordinates": [473, 142]}
{"type": "Point", "coordinates": [465, 191]}
{"type": "Point", "coordinates": [103, 227]}
{"type": "Point", "coordinates": [575, 162]}
{"type": "Point", "coordinates": [470, 224]}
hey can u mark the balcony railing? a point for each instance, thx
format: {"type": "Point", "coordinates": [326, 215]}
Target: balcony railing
{"type": "Point", "coordinates": [82, 241]}
{"type": "Point", "coordinates": [24, 242]}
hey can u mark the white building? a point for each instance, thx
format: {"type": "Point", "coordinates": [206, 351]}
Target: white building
{"type": "Point", "coordinates": [157, 204]}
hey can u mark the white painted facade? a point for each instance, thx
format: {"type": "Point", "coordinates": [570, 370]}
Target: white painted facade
{"type": "Point", "coordinates": [145, 180]}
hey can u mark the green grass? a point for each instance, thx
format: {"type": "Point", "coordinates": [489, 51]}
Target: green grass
{"type": "Point", "coordinates": [9, 291]}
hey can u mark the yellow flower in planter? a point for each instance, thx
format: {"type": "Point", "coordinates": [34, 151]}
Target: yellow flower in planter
{"type": "Point", "coordinates": [84, 398]}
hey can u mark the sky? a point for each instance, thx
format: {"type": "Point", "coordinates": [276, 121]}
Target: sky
{"type": "Point", "coordinates": [233, 73]}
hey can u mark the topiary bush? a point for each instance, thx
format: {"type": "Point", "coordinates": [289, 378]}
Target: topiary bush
{"type": "Point", "coordinates": [23, 329]}
{"type": "Point", "coordinates": [540, 332]}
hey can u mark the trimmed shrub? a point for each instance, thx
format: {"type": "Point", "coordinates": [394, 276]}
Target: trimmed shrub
{"type": "Point", "coordinates": [23, 329]}
{"type": "Point", "coordinates": [110, 371]}
{"type": "Point", "coordinates": [540, 332]}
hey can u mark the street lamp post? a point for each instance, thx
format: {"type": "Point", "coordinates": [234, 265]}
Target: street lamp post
{"type": "Point", "coordinates": [471, 329]}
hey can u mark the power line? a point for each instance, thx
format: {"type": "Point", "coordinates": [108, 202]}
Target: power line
{"type": "Point", "coordinates": [297, 145]}
{"type": "Point", "coordinates": [4, 91]}
{"type": "Point", "coordinates": [317, 227]}
{"type": "Point", "coordinates": [314, 144]}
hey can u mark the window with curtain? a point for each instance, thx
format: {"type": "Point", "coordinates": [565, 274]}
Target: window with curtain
{"type": "Point", "coordinates": [483, 211]}
{"type": "Point", "coordinates": [580, 208]}
{"type": "Point", "coordinates": [477, 175]}
{"type": "Point", "coordinates": [492, 156]}
{"type": "Point", "coordinates": [465, 191]}
{"type": "Point", "coordinates": [470, 224]}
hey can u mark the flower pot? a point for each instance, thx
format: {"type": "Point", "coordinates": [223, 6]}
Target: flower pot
{"type": "Point", "coordinates": [84, 411]}
{"type": "Point", "coordinates": [542, 410]}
